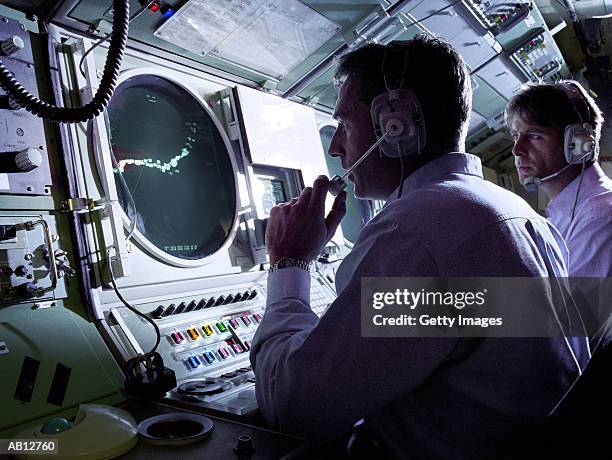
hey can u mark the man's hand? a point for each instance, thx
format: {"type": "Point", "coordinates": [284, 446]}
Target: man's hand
{"type": "Point", "coordinates": [299, 228]}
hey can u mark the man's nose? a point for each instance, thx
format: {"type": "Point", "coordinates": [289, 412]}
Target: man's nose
{"type": "Point", "coordinates": [336, 146]}
{"type": "Point", "coordinates": [519, 148]}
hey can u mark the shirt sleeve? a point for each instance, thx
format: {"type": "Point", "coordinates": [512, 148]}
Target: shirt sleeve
{"type": "Point", "coordinates": [591, 247]}
{"type": "Point", "coordinates": [316, 378]}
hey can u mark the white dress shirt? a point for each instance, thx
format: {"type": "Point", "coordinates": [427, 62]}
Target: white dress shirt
{"type": "Point", "coordinates": [589, 235]}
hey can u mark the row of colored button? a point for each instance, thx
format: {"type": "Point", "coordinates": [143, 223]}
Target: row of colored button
{"type": "Point", "coordinates": [172, 309]}
{"type": "Point", "coordinates": [244, 320]}
{"type": "Point", "coordinates": [194, 334]}
{"type": "Point", "coordinates": [208, 357]}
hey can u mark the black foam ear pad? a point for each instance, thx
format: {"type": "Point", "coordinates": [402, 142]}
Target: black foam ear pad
{"type": "Point", "coordinates": [397, 113]}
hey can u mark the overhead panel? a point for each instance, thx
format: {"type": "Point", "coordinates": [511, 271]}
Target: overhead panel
{"type": "Point", "coordinates": [272, 37]}
{"type": "Point", "coordinates": [487, 101]}
{"type": "Point", "coordinates": [345, 15]}
{"type": "Point", "coordinates": [474, 45]}
{"type": "Point", "coordinates": [502, 75]}
{"type": "Point", "coordinates": [477, 121]}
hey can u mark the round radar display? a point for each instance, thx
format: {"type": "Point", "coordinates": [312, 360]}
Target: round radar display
{"type": "Point", "coordinates": [173, 168]}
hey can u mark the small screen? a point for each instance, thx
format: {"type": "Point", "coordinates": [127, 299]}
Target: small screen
{"type": "Point", "coordinates": [178, 181]}
{"type": "Point", "coordinates": [274, 185]}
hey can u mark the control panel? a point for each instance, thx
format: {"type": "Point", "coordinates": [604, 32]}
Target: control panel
{"type": "Point", "coordinates": [537, 58]}
{"type": "Point", "coordinates": [206, 338]}
{"type": "Point", "coordinates": [32, 266]}
{"type": "Point", "coordinates": [24, 166]}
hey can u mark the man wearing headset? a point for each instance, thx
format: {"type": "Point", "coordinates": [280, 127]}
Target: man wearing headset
{"type": "Point", "coordinates": [420, 397]}
{"type": "Point", "coordinates": [556, 130]}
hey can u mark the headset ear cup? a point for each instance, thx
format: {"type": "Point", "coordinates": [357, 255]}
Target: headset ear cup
{"type": "Point", "coordinates": [579, 143]}
{"type": "Point", "coordinates": [398, 113]}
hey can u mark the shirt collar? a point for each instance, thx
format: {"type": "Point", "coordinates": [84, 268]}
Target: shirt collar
{"type": "Point", "coordinates": [450, 163]}
{"type": "Point", "coordinates": [564, 201]}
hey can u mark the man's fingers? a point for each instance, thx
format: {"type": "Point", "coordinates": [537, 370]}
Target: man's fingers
{"type": "Point", "coordinates": [304, 198]}
{"type": "Point", "coordinates": [319, 192]}
{"type": "Point", "coordinates": [336, 214]}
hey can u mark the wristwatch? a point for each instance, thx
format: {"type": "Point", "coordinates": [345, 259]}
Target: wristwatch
{"type": "Point", "coordinates": [288, 262]}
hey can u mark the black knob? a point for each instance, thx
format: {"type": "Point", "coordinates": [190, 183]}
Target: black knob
{"type": "Point", "coordinates": [181, 308]}
{"type": "Point", "coordinates": [244, 445]}
{"type": "Point", "coordinates": [220, 300]}
{"type": "Point", "coordinates": [169, 310]}
{"type": "Point", "coordinates": [27, 290]}
{"type": "Point", "coordinates": [192, 306]}
{"type": "Point", "coordinates": [211, 302]}
{"type": "Point", "coordinates": [158, 312]}
{"type": "Point", "coordinates": [252, 295]}
{"type": "Point", "coordinates": [228, 299]}
{"type": "Point", "coordinates": [7, 232]}
{"type": "Point", "coordinates": [22, 270]}
{"type": "Point", "coordinates": [201, 304]}
{"type": "Point", "coordinates": [237, 297]}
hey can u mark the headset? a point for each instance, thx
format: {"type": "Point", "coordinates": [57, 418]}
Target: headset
{"type": "Point", "coordinates": [579, 139]}
{"type": "Point", "coordinates": [397, 115]}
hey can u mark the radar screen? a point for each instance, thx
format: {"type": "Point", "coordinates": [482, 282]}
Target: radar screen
{"type": "Point", "coordinates": [173, 170]}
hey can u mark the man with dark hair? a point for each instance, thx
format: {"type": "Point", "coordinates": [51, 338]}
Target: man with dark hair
{"type": "Point", "coordinates": [539, 118]}
{"type": "Point", "coordinates": [420, 397]}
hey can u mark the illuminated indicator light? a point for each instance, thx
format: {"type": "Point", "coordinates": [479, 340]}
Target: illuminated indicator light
{"type": "Point", "coordinates": [193, 362]}
{"type": "Point", "coordinates": [193, 333]}
{"type": "Point", "coordinates": [167, 12]}
{"type": "Point", "coordinates": [234, 323]}
{"type": "Point", "coordinates": [223, 353]}
{"type": "Point", "coordinates": [246, 320]}
{"type": "Point", "coordinates": [208, 330]}
{"type": "Point", "coordinates": [177, 337]}
{"type": "Point", "coordinates": [237, 348]}
{"type": "Point", "coordinates": [210, 357]}
{"type": "Point", "coordinates": [221, 327]}
{"type": "Point", "coordinates": [154, 7]}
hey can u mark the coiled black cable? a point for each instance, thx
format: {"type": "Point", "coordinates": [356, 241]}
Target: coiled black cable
{"type": "Point", "coordinates": [105, 91]}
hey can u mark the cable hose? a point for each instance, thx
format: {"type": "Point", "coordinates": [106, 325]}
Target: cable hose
{"type": "Point", "coordinates": [105, 91]}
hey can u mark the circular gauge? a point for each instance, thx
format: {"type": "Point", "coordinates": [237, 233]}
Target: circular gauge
{"type": "Point", "coordinates": [173, 169]}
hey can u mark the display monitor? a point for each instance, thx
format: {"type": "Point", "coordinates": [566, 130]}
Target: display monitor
{"type": "Point", "coordinates": [275, 185]}
{"type": "Point", "coordinates": [174, 174]}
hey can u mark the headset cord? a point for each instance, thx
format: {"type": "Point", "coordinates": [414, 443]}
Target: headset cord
{"type": "Point", "coordinates": [105, 91]}
{"type": "Point", "coordinates": [578, 191]}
